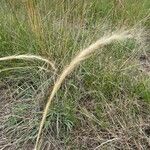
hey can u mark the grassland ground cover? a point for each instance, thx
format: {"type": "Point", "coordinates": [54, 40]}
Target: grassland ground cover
{"type": "Point", "coordinates": [103, 104]}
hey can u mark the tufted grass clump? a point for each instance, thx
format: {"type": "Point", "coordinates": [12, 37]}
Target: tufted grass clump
{"type": "Point", "coordinates": [96, 94]}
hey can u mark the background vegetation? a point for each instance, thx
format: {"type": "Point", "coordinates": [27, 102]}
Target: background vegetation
{"type": "Point", "coordinates": [104, 104]}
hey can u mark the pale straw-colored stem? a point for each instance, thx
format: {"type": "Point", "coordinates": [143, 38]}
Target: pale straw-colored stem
{"type": "Point", "coordinates": [74, 63]}
{"type": "Point", "coordinates": [28, 57]}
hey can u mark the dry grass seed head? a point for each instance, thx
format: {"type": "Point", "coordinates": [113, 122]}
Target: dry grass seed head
{"type": "Point", "coordinates": [118, 36]}
{"type": "Point", "coordinates": [28, 57]}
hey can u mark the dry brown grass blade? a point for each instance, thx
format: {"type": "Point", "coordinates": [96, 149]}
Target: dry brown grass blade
{"type": "Point", "coordinates": [35, 24]}
{"type": "Point", "coordinates": [34, 18]}
{"type": "Point", "coordinates": [74, 63]}
{"type": "Point", "coordinates": [28, 57]}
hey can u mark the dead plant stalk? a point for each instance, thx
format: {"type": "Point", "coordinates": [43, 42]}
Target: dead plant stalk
{"type": "Point", "coordinates": [118, 36]}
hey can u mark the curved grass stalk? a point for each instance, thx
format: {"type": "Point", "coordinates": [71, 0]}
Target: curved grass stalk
{"type": "Point", "coordinates": [28, 57]}
{"type": "Point", "coordinates": [119, 36]}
